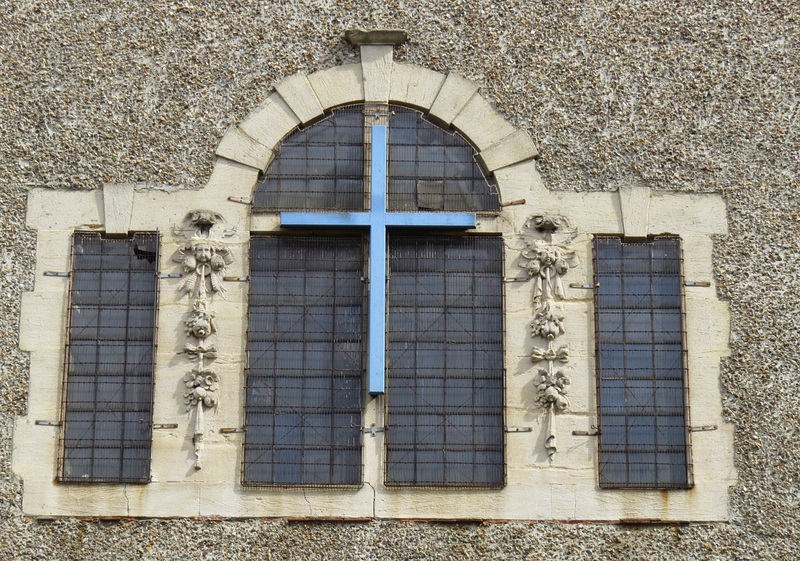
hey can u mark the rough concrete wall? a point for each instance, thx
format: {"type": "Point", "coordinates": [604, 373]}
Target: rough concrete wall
{"type": "Point", "coordinates": [674, 95]}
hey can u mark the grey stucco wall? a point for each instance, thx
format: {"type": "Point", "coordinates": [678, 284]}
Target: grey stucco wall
{"type": "Point", "coordinates": [669, 94]}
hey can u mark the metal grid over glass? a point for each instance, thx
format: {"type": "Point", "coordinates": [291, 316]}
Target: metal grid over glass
{"type": "Point", "coordinates": [108, 390]}
{"type": "Point", "coordinates": [431, 169]}
{"type": "Point", "coordinates": [320, 167]}
{"type": "Point", "coordinates": [445, 354]}
{"type": "Point", "coordinates": [305, 357]}
{"type": "Point", "coordinates": [641, 380]}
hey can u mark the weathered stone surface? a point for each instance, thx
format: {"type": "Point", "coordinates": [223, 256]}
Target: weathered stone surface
{"type": "Point", "coordinates": [513, 149]}
{"type": "Point", "coordinates": [454, 94]}
{"type": "Point", "coordinates": [268, 123]}
{"type": "Point", "coordinates": [482, 124]}
{"type": "Point", "coordinates": [634, 203]}
{"type": "Point", "coordinates": [298, 94]}
{"type": "Point", "coordinates": [338, 85]}
{"type": "Point", "coordinates": [376, 64]}
{"type": "Point", "coordinates": [414, 85]}
{"type": "Point", "coordinates": [117, 207]}
{"type": "Point", "coordinates": [360, 37]}
{"type": "Point", "coordinates": [238, 146]}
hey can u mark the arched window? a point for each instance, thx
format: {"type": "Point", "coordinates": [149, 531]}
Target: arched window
{"type": "Point", "coordinates": [427, 325]}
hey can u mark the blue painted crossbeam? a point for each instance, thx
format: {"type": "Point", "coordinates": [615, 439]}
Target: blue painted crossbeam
{"type": "Point", "coordinates": [378, 219]}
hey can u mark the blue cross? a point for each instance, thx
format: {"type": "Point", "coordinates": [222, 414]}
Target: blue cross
{"type": "Point", "coordinates": [378, 220]}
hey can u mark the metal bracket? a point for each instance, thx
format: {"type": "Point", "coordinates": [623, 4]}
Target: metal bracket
{"type": "Point", "coordinates": [169, 275]}
{"type": "Point", "coordinates": [703, 428]}
{"type": "Point", "coordinates": [373, 430]}
{"type": "Point", "coordinates": [236, 279]}
{"type": "Point", "coordinates": [697, 283]}
{"type": "Point", "coordinates": [512, 203]}
{"type": "Point", "coordinates": [232, 431]}
{"type": "Point", "coordinates": [48, 423]}
{"type": "Point", "coordinates": [583, 286]}
{"type": "Point", "coordinates": [242, 200]}
{"type": "Point", "coordinates": [519, 429]}
{"type": "Point", "coordinates": [165, 426]}
{"type": "Point", "coordinates": [593, 432]}
{"type": "Point", "coordinates": [55, 274]}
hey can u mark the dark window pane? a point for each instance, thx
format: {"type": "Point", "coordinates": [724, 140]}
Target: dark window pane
{"type": "Point", "coordinates": [445, 389]}
{"type": "Point", "coordinates": [305, 362]}
{"type": "Point", "coordinates": [318, 168]}
{"type": "Point", "coordinates": [641, 379]}
{"type": "Point", "coordinates": [434, 169]}
{"type": "Point", "coordinates": [109, 384]}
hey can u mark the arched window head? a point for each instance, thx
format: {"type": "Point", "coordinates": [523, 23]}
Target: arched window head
{"type": "Point", "coordinates": [324, 167]}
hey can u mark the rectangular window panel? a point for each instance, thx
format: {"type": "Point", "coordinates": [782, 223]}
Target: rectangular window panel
{"type": "Point", "coordinates": [108, 396]}
{"type": "Point", "coordinates": [445, 355]}
{"type": "Point", "coordinates": [305, 353]}
{"type": "Point", "coordinates": [641, 383]}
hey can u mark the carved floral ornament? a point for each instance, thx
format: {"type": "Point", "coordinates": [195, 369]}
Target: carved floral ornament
{"type": "Point", "coordinates": [545, 263]}
{"type": "Point", "coordinates": [204, 259]}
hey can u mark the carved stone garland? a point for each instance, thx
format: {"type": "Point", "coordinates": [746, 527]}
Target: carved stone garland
{"type": "Point", "coordinates": [204, 260]}
{"type": "Point", "coordinates": [546, 263]}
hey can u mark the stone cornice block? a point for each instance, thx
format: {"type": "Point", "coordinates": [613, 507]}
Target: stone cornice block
{"type": "Point", "coordinates": [634, 204]}
{"type": "Point", "coordinates": [358, 37]}
{"type": "Point", "coordinates": [452, 97]}
{"type": "Point", "coordinates": [376, 64]}
{"type": "Point", "coordinates": [270, 121]}
{"type": "Point", "coordinates": [514, 148]}
{"type": "Point", "coordinates": [300, 96]}
{"type": "Point", "coordinates": [338, 85]}
{"type": "Point", "coordinates": [414, 85]}
{"type": "Point", "coordinates": [117, 207]}
{"type": "Point", "coordinates": [482, 124]}
{"type": "Point", "coordinates": [240, 147]}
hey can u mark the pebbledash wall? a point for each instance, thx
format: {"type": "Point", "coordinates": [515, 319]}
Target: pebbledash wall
{"type": "Point", "coordinates": [681, 98]}
{"type": "Point", "coordinates": [553, 458]}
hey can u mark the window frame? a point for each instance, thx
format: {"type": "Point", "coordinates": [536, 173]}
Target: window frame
{"type": "Point", "coordinates": [657, 483]}
{"type": "Point", "coordinates": [67, 375]}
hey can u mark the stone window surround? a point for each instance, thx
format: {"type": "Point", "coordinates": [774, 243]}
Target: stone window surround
{"type": "Point", "coordinates": [564, 488]}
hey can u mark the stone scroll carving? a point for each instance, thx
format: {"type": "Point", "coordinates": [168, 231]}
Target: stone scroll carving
{"type": "Point", "coordinates": [546, 263]}
{"type": "Point", "coordinates": [204, 258]}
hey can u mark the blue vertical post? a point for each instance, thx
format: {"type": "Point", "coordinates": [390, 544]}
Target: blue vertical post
{"type": "Point", "coordinates": [377, 263]}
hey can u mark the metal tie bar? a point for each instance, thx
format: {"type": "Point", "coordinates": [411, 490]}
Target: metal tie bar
{"type": "Point", "coordinates": [48, 423]}
{"type": "Point", "coordinates": [55, 274]}
{"type": "Point", "coordinates": [242, 200]}
{"type": "Point", "coordinates": [232, 430]}
{"type": "Point", "coordinates": [697, 283]}
{"type": "Point", "coordinates": [519, 429]}
{"type": "Point", "coordinates": [703, 428]}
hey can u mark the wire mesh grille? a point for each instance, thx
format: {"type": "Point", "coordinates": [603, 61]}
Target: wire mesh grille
{"type": "Point", "coordinates": [445, 355]}
{"type": "Point", "coordinates": [640, 363]}
{"type": "Point", "coordinates": [305, 362]}
{"type": "Point", "coordinates": [320, 167]}
{"type": "Point", "coordinates": [109, 384]}
{"type": "Point", "coordinates": [433, 169]}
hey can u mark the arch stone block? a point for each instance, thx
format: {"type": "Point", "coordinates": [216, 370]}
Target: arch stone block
{"type": "Point", "coordinates": [414, 85]}
{"type": "Point", "coordinates": [376, 64]}
{"type": "Point", "coordinates": [238, 146]}
{"type": "Point", "coordinates": [338, 85]}
{"type": "Point", "coordinates": [270, 121]}
{"type": "Point", "coordinates": [300, 96]}
{"type": "Point", "coordinates": [451, 99]}
{"type": "Point", "coordinates": [513, 149]}
{"type": "Point", "coordinates": [482, 124]}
